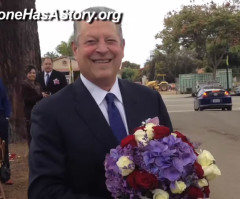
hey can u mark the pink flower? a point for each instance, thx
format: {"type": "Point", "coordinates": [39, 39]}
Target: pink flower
{"type": "Point", "coordinates": [56, 81]}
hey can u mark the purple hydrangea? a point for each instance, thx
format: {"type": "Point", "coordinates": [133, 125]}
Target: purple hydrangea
{"type": "Point", "coordinates": [168, 158]}
{"type": "Point", "coordinates": [115, 183]}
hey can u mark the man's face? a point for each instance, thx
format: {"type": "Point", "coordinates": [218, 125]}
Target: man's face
{"type": "Point", "coordinates": [47, 65]}
{"type": "Point", "coordinates": [99, 51]}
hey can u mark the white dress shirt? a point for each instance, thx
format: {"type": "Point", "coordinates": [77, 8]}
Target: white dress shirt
{"type": "Point", "coordinates": [99, 94]}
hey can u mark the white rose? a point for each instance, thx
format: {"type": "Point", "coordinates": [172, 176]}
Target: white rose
{"type": "Point", "coordinates": [160, 194]}
{"type": "Point", "coordinates": [179, 187]}
{"type": "Point", "coordinates": [202, 182]}
{"type": "Point", "coordinates": [141, 137]}
{"type": "Point", "coordinates": [149, 130]}
{"type": "Point", "coordinates": [205, 158]}
{"type": "Point", "coordinates": [123, 164]}
{"type": "Point", "coordinates": [211, 171]}
{"type": "Point", "coordinates": [174, 134]}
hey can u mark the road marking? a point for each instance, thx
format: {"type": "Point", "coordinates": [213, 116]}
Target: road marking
{"type": "Point", "coordinates": [177, 104]}
{"type": "Point", "coordinates": [180, 111]}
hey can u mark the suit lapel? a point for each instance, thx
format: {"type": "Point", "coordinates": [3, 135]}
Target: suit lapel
{"type": "Point", "coordinates": [92, 116]}
{"type": "Point", "coordinates": [41, 80]}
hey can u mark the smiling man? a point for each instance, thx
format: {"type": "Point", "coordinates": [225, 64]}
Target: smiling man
{"type": "Point", "coordinates": [74, 129]}
{"type": "Point", "coordinates": [99, 49]}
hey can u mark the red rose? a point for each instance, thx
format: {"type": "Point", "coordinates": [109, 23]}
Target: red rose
{"type": "Point", "coordinates": [131, 180]}
{"type": "Point", "coordinates": [160, 132]}
{"type": "Point", "coordinates": [207, 191]}
{"type": "Point", "coordinates": [183, 137]}
{"type": "Point", "coordinates": [139, 128]}
{"type": "Point", "coordinates": [194, 192]}
{"type": "Point", "coordinates": [130, 139]}
{"type": "Point", "coordinates": [142, 179]}
{"type": "Point", "coordinates": [199, 170]}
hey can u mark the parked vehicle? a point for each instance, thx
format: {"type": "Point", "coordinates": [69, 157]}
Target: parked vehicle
{"type": "Point", "coordinates": [206, 84]}
{"type": "Point", "coordinates": [237, 90]}
{"type": "Point", "coordinates": [163, 86]}
{"type": "Point", "coordinates": [212, 98]}
{"type": "Point", "coordinates": [153, 85]}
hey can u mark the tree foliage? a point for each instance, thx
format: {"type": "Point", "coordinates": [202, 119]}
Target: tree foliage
{"type": "Point", "coordinates": [129, 73]}
{"type": "Point", "coordinates": [170, 65]}
{"type": "Point", "coordinates": [51, 54]}
{"type": "Point", "coordinates": [65, 48]}
{"type": "Point", "coordinates": [127, 64]}
{"type": "Point", "coordinates": [210, 30]}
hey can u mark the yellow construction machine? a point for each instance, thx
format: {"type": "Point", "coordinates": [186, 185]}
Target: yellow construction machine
{"type": "Point", "coordinates": [162, 86]}
{"type": "Point", "coordinates": [153, 85]}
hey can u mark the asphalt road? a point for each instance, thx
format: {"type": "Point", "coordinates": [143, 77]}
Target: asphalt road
{"type": "Point", "coordinates": [219, 132]}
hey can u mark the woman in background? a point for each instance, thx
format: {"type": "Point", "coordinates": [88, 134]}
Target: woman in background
{"type": "Point", "coordinates": [31, 93]}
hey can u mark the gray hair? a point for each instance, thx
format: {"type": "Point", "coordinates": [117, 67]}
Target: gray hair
{"type": "Point", "coordinates": [98, 9]}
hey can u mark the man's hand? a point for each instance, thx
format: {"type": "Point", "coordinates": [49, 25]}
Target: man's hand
{"type": "Point", "coordinates": [44, 94]}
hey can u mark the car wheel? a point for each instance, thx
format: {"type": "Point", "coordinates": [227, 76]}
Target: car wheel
{"type": "Point", "coordinates": [223, 109]}
{"type": "Point", "coordinates": [201, 109]}
{"type": "Point", "coordinates": [229, 108]}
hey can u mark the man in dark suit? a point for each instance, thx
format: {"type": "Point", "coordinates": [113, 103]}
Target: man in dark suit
{"type": "Point", "coordinates": [72, 131]}
{"type": "Point", "coordinates": [51, 80]}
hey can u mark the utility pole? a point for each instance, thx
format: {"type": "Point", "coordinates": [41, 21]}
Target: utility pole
{"type": "Point", "coordinates": [227, 64]}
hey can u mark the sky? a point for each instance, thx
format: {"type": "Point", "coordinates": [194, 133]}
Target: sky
{"type": "Point", "coordinates": [142, 20]}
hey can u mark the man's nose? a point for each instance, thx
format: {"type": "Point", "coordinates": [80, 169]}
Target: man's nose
{"type": "Point", "coordinates": [102, 47]}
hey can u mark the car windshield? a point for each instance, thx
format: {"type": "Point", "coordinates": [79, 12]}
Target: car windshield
{"type": "Point", "coordinates": [212, 87]}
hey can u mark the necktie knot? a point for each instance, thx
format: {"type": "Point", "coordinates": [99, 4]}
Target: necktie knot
{"type": "Point", "coordinates": [110, 98]}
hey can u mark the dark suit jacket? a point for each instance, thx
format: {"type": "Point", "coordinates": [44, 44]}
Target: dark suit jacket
{"type": "Point", "coordinates": [31, 94]}
{"type": "Point", "coordinates": [52, 86]}
{"type": "Point", "coordinates": [71, 138]}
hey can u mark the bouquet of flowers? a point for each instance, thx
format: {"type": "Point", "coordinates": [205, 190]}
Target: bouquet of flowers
{"type": "Point", "coordinates": [155, 163]}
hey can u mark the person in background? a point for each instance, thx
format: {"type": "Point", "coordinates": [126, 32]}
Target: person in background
{"type": "Point", "coordinates": [31, 93]}
{"type": "Point", "coordinates": [73, 130]}
{"type": "Point", "coordinates": [5, 110]}
{"type": "Point", "coordinates": [51, 80]}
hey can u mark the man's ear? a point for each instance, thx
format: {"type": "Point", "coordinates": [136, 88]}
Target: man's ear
{"type": "Point", "coordinates": [123, 43]}
{"type": "Point", "coordinates": [74, 48]}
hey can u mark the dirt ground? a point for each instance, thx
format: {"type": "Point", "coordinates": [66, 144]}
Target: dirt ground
{"type": "Point", "coordinates": [19, 172]}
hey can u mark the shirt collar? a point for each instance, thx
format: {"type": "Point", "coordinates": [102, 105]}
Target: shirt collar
{"type": "Point", "coordinates": [98, 93]}
{"type": "Point", "coordinates": [45, 73]}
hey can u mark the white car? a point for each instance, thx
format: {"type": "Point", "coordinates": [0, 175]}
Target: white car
{"type": "Point", "coordinates": [237, 90]}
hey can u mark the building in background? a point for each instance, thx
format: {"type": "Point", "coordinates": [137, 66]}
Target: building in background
{"type": "Point", "coordinates": [68, 66]}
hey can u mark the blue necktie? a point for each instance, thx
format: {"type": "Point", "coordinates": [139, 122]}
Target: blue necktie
{"type": "Point", "coordinates": [115, 119]}
{"type": "Point", "coordinates": [47, 80]}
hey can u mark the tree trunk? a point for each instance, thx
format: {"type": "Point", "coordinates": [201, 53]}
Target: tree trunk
{"type": "Point", "coordinates": [19, 46]}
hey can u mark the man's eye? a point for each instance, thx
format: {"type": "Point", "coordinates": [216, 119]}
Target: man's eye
{"type": "Point", "coordinates": [90, 42]}
{"type": "Point", "coordinates": [111, 40]}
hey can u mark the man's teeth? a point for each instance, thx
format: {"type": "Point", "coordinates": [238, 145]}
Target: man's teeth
{"type": "Point", "coordinates": [102, 61]}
